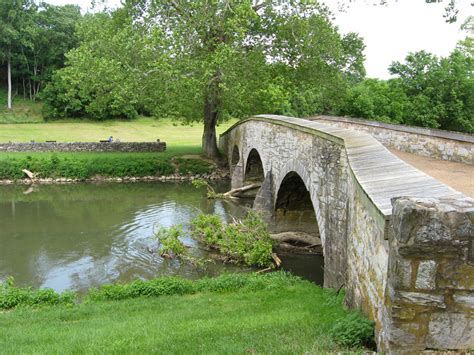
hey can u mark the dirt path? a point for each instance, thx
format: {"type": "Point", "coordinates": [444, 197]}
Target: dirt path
{"type": "Point", "coordinates": [457, 175]}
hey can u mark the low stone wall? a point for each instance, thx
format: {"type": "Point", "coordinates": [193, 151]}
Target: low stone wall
{"type": "Point", "coordinates": [435, 143]}
{"type": "Point", "coordinates": [430, 290]}
{"type": "Point", "coordinates": [85, 147]}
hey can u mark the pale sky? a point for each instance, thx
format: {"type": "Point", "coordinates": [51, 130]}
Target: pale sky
{"type": "Point", "coordinates": [390, 32]}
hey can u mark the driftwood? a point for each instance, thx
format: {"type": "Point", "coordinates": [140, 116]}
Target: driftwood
{"type": "Point", "coordinates": [30, 175]}
{"type": "Point", "coordinates": [276, 259]}
{"type": "Point", "coordinates": [233, 192]}
{"type": "Point", "coordinates": [297, 237]}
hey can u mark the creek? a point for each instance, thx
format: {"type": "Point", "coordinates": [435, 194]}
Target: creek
{"type": "Point", "coordinates": [78, 236]}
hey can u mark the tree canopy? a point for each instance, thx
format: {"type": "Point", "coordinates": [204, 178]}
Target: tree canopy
{"type": "Point", "coordinates": [207, 60]}
{"type": "Point", "coordinates": [33, 41]}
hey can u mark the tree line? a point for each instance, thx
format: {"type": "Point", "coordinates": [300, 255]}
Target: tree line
{"type": "Point", "coordinates": [33, 42]}
{"type": "Point", "coordinates": [211, 60]}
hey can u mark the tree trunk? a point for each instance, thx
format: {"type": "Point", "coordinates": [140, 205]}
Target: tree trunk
{"type": "Point", "coordinates": [9, 76]}
{"type": "Point", "coordinates": [209, 139]}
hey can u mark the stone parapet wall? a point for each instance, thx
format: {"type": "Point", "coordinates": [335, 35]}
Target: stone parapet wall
{"type": "Point", "coordinates": [430, 291]}
{"type": "Point", "coordinates": [438, 144]}
{"type": "Point", "coordinates": [84, 147]}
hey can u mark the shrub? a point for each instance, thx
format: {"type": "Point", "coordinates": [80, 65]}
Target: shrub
{"type": "Point", "coordinates": [170, 245]}
{"type": "Point", "coordinates": [167, 286]}
{"type": "Point", "coordinates": [208, 229]}
{"type": "Point", "coordinates": [193, 166]}
{"type": "Point", "coordinates": [246, 241]}
{"type": "Point", "coordinates": [11, 296]}
{"type": "Point", "coordinates": [84, 167]}
{"type": "Point", "coordinates": [354, 330]}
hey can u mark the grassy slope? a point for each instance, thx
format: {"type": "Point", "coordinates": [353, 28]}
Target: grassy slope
{"type": "Point", "coordinates": [23, 110]}
{"type": "Point", "coordinates": [290, 319]}
{"type": "Point", "coordinates": [139, 130]}
{"type": "Point", "coordinates": [179, 138]}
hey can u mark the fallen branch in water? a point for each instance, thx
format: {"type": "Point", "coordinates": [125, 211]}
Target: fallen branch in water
{"type": "Point", "coordinates": [309, 240]}
{"type": "Point", "coordinates": [231, 193]}
{"type": "Point", "coordinates": [276, 260]}
{"type": "Point", "coordinates": [31, 176]}
{"type": "Point", "coordinates": [212, 194]}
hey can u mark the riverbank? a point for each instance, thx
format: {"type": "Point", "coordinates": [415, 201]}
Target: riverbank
{"type": "Point", "coordinates": [114, 167]}
{"type": "Point", "coordinates": [182, 161]}
{"type": "Point", "coordinates": [236, 313]}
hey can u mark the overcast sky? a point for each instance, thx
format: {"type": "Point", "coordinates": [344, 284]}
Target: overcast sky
{"type": "Point", "coordinates": [389, 32]}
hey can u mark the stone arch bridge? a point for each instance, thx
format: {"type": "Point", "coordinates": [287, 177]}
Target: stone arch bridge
{"type": "Point", "coordinates": [400, 242]}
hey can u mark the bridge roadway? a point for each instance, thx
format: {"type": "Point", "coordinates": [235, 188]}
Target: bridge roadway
{"type": "Point", "coordinates": [457, 175]}
{"type": "Point", "coordinates": [400, 242]}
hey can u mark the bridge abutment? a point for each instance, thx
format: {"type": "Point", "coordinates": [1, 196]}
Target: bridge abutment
{"type": "Point", "coordinates": [430, 280]}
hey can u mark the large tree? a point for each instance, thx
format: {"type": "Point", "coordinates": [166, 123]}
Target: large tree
{"type": "Point", "coordinates": [226, 53]}
{"type": "Point", "coordinates": [208, 61]}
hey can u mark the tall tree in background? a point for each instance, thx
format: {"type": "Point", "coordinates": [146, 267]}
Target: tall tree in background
{"type": "Point", "coordinates": [226, 52]}
{"type": "Point", "coordinates": [33, 41]}
{"type": "Point", "coordinates": [14, 18]}
{"type": "Point", "coordinates": [50, 34]}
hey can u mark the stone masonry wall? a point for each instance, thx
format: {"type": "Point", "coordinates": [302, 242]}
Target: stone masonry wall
{"type": "Point", "coordinates": [443, 145]}
{"type": "Point", "coordinates": [84, 147]}
{"type": "Point", "coordinates": [430, 290]}
{"type": "Point", "coordinates": [367, 257]}
{"type": "Point", "coordinates": [319, 162]}
{"type": "Point", "coordinates": [410, 266]}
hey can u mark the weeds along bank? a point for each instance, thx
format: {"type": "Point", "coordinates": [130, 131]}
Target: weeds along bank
{"type": "Point", "coordinates": [232, 313]}
{"type": "Point", "coordinates": [76, 167]}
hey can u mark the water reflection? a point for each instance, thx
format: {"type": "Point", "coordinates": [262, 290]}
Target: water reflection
{"type": "Point", "coordinates": [81, 236]}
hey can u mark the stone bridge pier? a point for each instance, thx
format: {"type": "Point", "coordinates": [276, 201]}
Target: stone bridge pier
{"type": "Point", "coordinates": [399, 242]}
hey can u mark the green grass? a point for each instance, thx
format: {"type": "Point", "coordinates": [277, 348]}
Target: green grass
{"type": "Point", "coordinates": [139, 130]}
{"type": "Point", "coordinates": [89, 165]}
{"type": "Point", "coordinates": [22, 110]}
{"type": "Point", "coordinates": [272, 314]}
{"type": "Point", "coordinates": [180, 139]}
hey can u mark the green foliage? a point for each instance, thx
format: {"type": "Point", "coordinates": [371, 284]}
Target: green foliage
{"type": "Point", "coordinates": [428, 92]}
{"type": "Point", "coordinates": [83, 167]}
{"type": "Point", "coordinates": [208, 229]}
{"type": "Point", "coordinates": [192, 166]}
{"type": "Point", "coordinates": [223, 59]}
{"type": "Point", "coordinates": [164, 286]}
{"type": "Point", "coordinates": [170, 244]}
{"type": "Point", "coordinates": [211, 193]}
{"type": "Point", "coordinates": [11, 296]}
{"type": "Point", "coordinates": [378, 100]}
{"type": "Point", "coordinates": [167, 286]}
{"type": "Point", "coordinates": [354, 330]}
{"type": "Point", "coordinates": [34, 39]}
{"type": "Point", "coordinates": [246, 241]}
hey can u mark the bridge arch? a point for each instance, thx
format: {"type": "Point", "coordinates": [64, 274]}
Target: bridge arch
{"type": "Point", "coordinates": [294, 186]}
{"type": "Point", "coordinates": [254, 167]}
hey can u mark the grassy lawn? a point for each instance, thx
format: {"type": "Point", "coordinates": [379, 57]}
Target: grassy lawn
{"type": "Point", "coordinates": [277, 317]}
{"type": "Point", "coordinates": [180, 140]}
{"type": "Point", "coordinates": [139, 130]}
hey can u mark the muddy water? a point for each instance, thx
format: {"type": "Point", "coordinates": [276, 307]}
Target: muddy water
{"type": "Point", "coordinates": [84, 235]}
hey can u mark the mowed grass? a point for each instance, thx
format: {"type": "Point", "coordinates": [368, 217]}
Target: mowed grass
{"type": "Point", "coordinates": [140, 130]}
{"type": "Point", "coordinates": [291, 319]}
